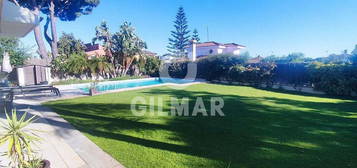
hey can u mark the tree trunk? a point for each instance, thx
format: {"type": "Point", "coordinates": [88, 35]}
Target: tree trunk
{"type": "Point", "coordinates": [40, 43]}
{"type": "Point", "coordinates": [53, 18]}
{"type": "Point", "coordinates": [127, 66]}
{"type": "Point", "coordinates": [37, 32]}
{"type": "Point", "coordinates": [38, 37]}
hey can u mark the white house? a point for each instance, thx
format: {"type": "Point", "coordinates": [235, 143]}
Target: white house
{"type": "Point", "coordinates": [197, 50]}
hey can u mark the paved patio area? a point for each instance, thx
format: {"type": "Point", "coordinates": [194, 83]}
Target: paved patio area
{"type": "Point", "coordinates": [62, 144]}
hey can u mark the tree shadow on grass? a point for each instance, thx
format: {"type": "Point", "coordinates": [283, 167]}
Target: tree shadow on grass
{"type": "Point", "coordinates": [256, 132]}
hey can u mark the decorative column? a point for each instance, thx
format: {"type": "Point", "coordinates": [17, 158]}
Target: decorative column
{"type": "Point", "coordinates": [194, 54]}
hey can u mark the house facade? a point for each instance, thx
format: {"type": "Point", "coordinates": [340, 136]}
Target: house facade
{"type": "Point", "coordinates": [198, 50]}
{"type": "Point", "coordinates": [94, 50]}
{"type": "Point", "coordinates": [97, 50]}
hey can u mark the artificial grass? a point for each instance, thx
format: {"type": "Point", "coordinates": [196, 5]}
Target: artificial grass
{"type": "Point", "coordinates": [261, 129]}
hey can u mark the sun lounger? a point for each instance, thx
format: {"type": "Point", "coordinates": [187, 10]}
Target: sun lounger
{"type": "Point", "coordinates": [31, 89]}
{"type": "Point", "coordinates": [6, 99]}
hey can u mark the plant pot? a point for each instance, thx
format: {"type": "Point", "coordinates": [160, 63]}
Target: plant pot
{"type": "Point", "coordinates": [46, 164]}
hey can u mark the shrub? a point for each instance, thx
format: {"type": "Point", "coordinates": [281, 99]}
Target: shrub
{"type": "Point", "coordinates": [291, 73]}
{"type": "Point", "coordinates": [18, 138]}
{"type": "Point", "coordinates": [353, 59]}
{"type": "Point", "coordinates": [216, 67]}
{"type": "Point", "coordinates": [252, 73]}
{"type": "Point", "coordinates": [151, 66]}
{"type": "Point", "coordinates": [177, 69]}
{"type": "Point", "coordinates": [334, 79]}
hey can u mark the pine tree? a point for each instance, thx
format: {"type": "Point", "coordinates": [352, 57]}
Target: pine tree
{"type": "Point", "coordinates": [195, 35]}
{"type": "Point", "coordinates": [180, 37]}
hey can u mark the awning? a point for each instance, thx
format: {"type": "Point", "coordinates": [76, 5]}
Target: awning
{"type": "Point", "coordinates": [15, 21]}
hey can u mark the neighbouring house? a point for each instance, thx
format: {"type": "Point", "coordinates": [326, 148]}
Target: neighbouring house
{"type": "Point", "coordinates": [198, 50]}
{"type": "Point", "coordinates": [255, 60]}
{"type": "Point", "coordinates": [149, 53]}
{"type": "Point", "coordinates": [167, 58]}
{"type": "Point", "coordinates": [94, 50]}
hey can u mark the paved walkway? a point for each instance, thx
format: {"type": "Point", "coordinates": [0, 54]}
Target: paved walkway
{"type": "Point", "coordinates": [61, 144]}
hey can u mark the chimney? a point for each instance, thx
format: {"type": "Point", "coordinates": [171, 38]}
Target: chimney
{"type": "Point", "coordinates": [193, 56]}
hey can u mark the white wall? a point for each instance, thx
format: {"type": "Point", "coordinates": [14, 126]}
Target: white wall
{"type": "Point", "coordinates": [203, 51]}
{"type": "Point", "coordinates": [21, 76]}
{"type": "Point", "coordinates": [231, 50]}
{"type": "Point", "coordinates": [49, 75]}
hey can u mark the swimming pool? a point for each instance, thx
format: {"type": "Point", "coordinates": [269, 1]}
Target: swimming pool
{"type": "Point", "coordinates": [117, 85]}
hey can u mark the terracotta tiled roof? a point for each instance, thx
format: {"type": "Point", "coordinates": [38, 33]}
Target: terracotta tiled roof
{"type": "Point", "coordinates": [94, 50]}
{"type": "Point", "coordinates": [207, 44]}
{"type": "Point", "coordinates": [233, 44]}
{"type": "Point", "coordinates": [149, 53]}
{"type": "Point", "coordinates": [213, 43]}
{"type": "Point", "coordinates": [255, 60]}
{"type": "Point", "coordinates": [92, 47]}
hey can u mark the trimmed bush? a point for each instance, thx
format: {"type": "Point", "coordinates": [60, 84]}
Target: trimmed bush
{"type": "Point", "coordinates": [151, 66]}
{"type": "Point", "coordinates": [334, 79]}
{"type": "Point", "coordinates": [331, 79]}
{"type": "Point", "coordinates": [216, 67]}
{"type": "Point", "coordinates": [255, 74]}
{"type": "Point", "coordinates": [291, 73]}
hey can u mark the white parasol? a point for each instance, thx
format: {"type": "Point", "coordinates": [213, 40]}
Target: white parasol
{"type": "Point", "coordinates": [16, 21]}
{"type": "Point", "coordinates": [6, 66]}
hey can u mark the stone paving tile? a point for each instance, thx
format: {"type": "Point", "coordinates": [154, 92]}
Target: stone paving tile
{"type": "Point", "coordinates": [61, 144]}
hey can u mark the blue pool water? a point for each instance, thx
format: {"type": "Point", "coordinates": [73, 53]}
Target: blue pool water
{"type": "Point", "coordinates": [102, 87]}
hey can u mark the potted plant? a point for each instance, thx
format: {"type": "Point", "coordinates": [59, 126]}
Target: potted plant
{"type": "Point", "coordinates": [93, 88]}
{"type": "Point", "coordinates": [20, 140]}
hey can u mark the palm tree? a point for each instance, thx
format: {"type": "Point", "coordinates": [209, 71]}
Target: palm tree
{"type": "Point", "coordinates": [103, 34]}
{"type": "Point", "coordinates": [77, 64]}
{"type": "Point", "coordinates": [128, 47]}
{"type": "Point", "coordinates": [99, 66]}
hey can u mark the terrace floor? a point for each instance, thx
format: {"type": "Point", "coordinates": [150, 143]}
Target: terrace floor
{"type": "Point", "coordinates": [61, 144]}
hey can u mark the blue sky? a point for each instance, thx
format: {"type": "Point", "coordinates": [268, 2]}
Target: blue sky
{"type": "Point", "coordinates": [314, 27]}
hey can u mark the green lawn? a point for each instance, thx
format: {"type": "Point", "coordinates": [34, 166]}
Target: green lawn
{"type": "Point", "coordinates": [261, 129]}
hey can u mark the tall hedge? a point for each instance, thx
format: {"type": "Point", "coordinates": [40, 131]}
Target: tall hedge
{"type": "Point", "coordinates": [291, 73]}
{"type": "Point", "coordinates": [216, 67]}
{"type": "Point", "coordinates": [255, 74]}
{"type": "Point", "coordinates": [332, 79]}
